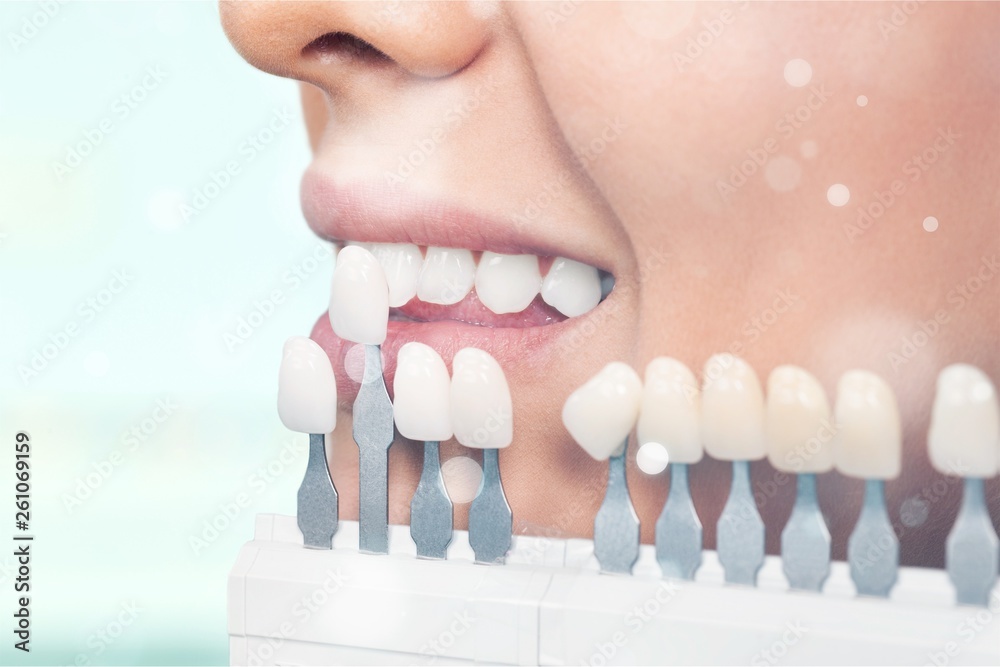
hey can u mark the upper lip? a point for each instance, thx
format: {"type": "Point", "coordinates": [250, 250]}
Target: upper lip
{"type": "Point", "coordinates": [372, 212]}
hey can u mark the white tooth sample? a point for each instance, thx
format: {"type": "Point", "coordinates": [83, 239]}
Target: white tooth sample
{"type": "Point", "coordinates": [798, 425]}
{"type": "Point", "coordinates": [307, 389]}
{"type": "Point", "coordinates": [481, 411]}
{"type": "Point", "coordinates": [571, 287]}
{"type": "Point", "coordinates": [600, 414]}
{"type": "Point", "coordinates": [507, 283]}
{"type": "Point", "coordinates": [359, 297]}
{"type": "Point", "coordinates": [401, 263]}
{"type": "Point", "coordinates": [732, 410]}
{"type": "Point", "coordinates": [421, 402]}
{"type": "Point", "coordinates": [670, 410]}
{"type": "Point", "coordinates": [446, 276]}
{"type": "Point", "coordinates": [964, 436]}
{"type": "Point", "coordinates": [868, 443]}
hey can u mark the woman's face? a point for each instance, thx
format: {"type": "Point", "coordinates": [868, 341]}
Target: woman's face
{"type": "Point", "coordinates": [700, 153]}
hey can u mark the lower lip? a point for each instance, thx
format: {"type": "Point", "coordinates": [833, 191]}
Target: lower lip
{"type": "Point", "coordinates": [513, 348]}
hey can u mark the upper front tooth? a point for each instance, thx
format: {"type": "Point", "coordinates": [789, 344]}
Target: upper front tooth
{"type": "Point", "coordinates": [571, 287]}
{"type": "Point", "coordinates": [797, 424]}
{"type": "Point", "coordinates": [421, 403]}
{"type": "Point", "coordinates": [507, 283]}
{"type": "Point", "coordinates": [446, 276]}
{"type": "Point", "coordinates": [307, 389]}
{"type": "Point", "coordinates": [401, 263]}
{"type": "Point", "coordinates": [732, 410]}
{"type": "Point", "coordinates": [600, 414]}
{"type": "Point", "coordinates": [868, 443]}
{"type": "Point", "coordinates": [481, 411]}
{"type": "Point", "coordinates": [964, 437]}
{"type": "Point", "coordinates": [670, 407]}
{"type": "Point", "coordinates": [359, 297]}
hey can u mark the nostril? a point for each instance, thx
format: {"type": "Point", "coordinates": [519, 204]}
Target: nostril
{"type": "Point", "coordinates": [342, 45]}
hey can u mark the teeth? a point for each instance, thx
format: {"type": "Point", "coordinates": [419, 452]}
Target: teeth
{"type": "Point", "coordinates": [571, 287]}
{"type": "Point", "coordinates": [607, 284]}
{"type": "Point", "coordinates": [401, 263]}
{"type": "Point", "coordinates": [600, 414]}
{"type": "Point", "coordinates": [421, 404]}
{"type": "Point", "coordinates": [359, 297]}
{"type": "Point", "coordinates": [507, 283]}
{"type": "Point", "coordinates": [798, 425]}
{"type": "Point", "coordinates": [481, 412]}
{"type": "Point", "coordinates": [868, 442]}
{"type": "Point", "coordinates": [732, 410]}
{"type": "Point", "coordinates": [447, 275]}
{"type": "Point", "coordinates": [964, 437]}
{"type": "Point", "coordinates": [307, 389]}
{"type": "Point", "coordinates": [670, 407]}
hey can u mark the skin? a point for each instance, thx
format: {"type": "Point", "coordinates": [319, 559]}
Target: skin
{"type": "Point", "coordinates": [698, 265]}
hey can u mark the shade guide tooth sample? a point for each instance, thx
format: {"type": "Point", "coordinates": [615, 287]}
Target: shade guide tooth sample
{"type": "Point", "coordinates": [447, 275]}
{"type": "Point", "coordinates": [600, 415]}
{"type": "Point", "coordinates": [670, 416]}
{"type": "Point", "coordinates": [732, 410]}
{"type": "Point", "coordinates": [422, 409]}
{"type": "Point", "coordinates": [359, 297]}
{"type": "Point", "coordinates": [307, 403]}
{"type": "Point", "coordinates": [571, 287]}
{"type": "Point", "coordinates": [868, 445]}
{"type": "Point", "coordinates": [480, 401]}
{"type": "Point", "coordinates": [482, 418]}
{"type": "Point", "coordinates": [964, 435]}
{"type": "Point", "coordinates": [798, 431]}
{"type": "Point", "coordinates": [307, 389]}
{"type": "Point", "coordinates": [964, 439]}
{"type": "Point", "coordinates": [507, 283]}
{"type": "Point", "coordinates": [732, 429]}
{"type": "Point", "coordinates": [422, 394]}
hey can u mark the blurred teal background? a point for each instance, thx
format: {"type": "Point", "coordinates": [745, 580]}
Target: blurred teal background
{"type": "Point", "coordinates": [142, 338]}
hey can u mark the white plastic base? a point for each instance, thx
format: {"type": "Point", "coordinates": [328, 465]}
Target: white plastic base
{"type": "Point", "coordinates": [289, 605]}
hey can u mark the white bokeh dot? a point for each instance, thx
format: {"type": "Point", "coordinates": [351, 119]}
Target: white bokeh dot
{"type": "Point", "coordinates": [652, 458]}
{"type": "Point", "coordinates": [838, 194]}
{"type": "Point", "coordinates": [930, 224]}
{"type": "Point", "coordinates": [782, 173]}
{"type": "Point", "coordinates": [798, 72]}
{"type": "Point", "coordinates": [462, 475]}
{"type": "Point", "coordinates": [862, 100]}
{"type": "Point", "coordinates": [809, 149]}
{"type": "Point", "coordinates": [97, 364]}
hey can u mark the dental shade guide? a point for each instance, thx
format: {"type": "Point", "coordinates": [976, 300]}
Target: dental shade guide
{"type": "Point", "coordinates": [422, 411]}
{"type": "Point", "coordinates": [964, 439]}
{"type": "Point", "coordinates": [359, 312]}
{"type": "Point", "coordinates": [307, 402]}
{"type": "Point", "coordinates": [482, 418]}
{"type": "Point", "coordinates": [600, 415]}
{"type": "Point", "coordinates": [868, 445]}
{"type": "Point", "coordinates": [670, 416]}
{"type": "Point", "coordinates": [732, 424]}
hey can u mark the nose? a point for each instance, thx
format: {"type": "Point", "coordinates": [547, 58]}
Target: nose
{"type": "Point", "coordinates": [335, 44]}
